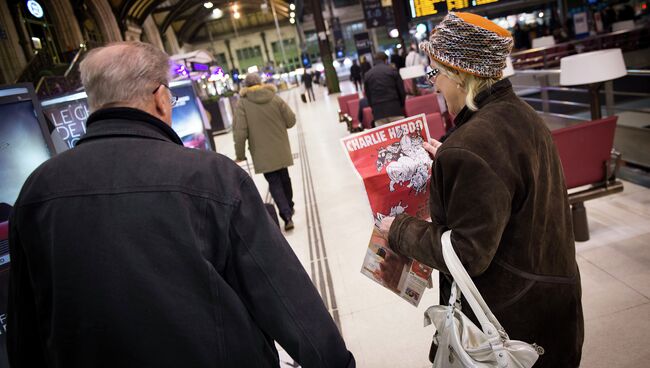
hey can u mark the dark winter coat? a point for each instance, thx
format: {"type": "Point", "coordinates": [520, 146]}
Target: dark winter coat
{"type": "Point", "coordinates": [355, 72]}
{"type": "Point", "coordinates": [131, 250]}
{"type": "Point", "coordinates": [384, 90]}
{"type": "Point", "coordinates": [498, 184]}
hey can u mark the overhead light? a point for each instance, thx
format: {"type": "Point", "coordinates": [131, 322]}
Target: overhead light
{"type": "Point", "coordinates": [399, 46]}
{"type": "Point", "coordinates": [292, 15]}
{"type": "Point", "coordinates": [292, 21]}
{"type": "Point", "coordinates": [421, 28]}
{"type": "Point", "coordinates": [208, 5]}
{"type": "Point", "coordinates": [217, 13]}
{"type": "Point", "coordinates": [541, 14]}
{"type": "Point", "coordinates": [236, 15]}
{"type": "Point", "coordinates": [234, 7]}
{"type": "Point", "coordinates": [394, 33]}
{"type": "Point", "coordinates": [292, 6]}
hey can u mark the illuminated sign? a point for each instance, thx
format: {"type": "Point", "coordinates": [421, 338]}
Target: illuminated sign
{"type": "Point", "coordinates": [35, 9]}
{"type": "Point", "coordinates": [423, 8]}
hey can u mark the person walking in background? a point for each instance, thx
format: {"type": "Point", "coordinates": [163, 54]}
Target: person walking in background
{"type": "Point", "coordinates": [384, 90]}
{"type": "Point", "coordinates": [497, 183]}
{"type": "Point", "coordinates": [355, 75]}
{"type": "Point", "coordinates": [262, 118]}
{"type": "Point", "coordinates": [308, 80]}
{"type": "Point", "coordinates": [171, 260]}
{"type": "Point", "coordinates": [365, 67]}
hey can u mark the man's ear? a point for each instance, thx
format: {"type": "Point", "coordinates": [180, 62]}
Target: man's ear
{"type": "Point", "coordinates": [161, 100]}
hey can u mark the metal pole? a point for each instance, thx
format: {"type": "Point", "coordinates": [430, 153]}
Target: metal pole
{"type": "Point", "coordinates": [277, 29]}
{"type": "Point", "coordinates": [325, 50]}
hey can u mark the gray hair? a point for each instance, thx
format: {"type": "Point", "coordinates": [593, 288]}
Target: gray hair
{"type": "Point", "coordinates": [123, 74]}
{"type": "Point", "coordinates": [252, 79]}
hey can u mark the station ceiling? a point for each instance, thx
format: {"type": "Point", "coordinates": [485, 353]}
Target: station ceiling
{"type": "Point", "coordinates": [190, 19]}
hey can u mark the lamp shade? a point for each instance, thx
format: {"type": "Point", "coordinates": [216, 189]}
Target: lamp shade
{"type": "Point", "coordinates": [411, 72]}
{"type": "Point", "coordinates": [545, 41]}
{"type": "Point", "coordinates": [592, 67]}
{"type": "Point", "coordinates": [509, 70]}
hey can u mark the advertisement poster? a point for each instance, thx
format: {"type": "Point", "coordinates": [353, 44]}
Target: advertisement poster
{"type": "Point", "coordinates": [186, 117]}
{"type": "Point", "coordinates": [395, 170]}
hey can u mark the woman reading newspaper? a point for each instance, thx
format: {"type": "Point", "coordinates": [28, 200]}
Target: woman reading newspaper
{"type": "Point", "coordinates": [497, 183]}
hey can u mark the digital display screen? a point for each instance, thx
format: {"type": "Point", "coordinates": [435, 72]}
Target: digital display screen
{"type": "Point", "coordinates": [22, 147]}
{"type": "Point", "coordinates": [68, 115]}
{"type": "Point", "coordinates": [423, 8]}
{"type": "Point", "coordinates": [186, 117]}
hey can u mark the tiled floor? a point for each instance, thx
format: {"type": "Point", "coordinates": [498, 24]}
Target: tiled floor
{"type": "Point", "coordinates": [384, 331]}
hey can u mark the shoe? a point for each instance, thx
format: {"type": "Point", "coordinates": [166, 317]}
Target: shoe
{"type": "Point", "coordinates": [288, 225]}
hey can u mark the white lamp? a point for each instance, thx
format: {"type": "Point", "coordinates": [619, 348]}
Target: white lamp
{"type": "Point", "coordinates": [545, 41]}
{"type": "Point", "coordinates": [592, 68]}
{"type": "Point", "coordinates": [411, 72]}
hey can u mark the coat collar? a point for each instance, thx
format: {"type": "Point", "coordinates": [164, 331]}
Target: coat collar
{"type": "Point", "coordinates": [125, 121]}
{"type": "Point", "coordinates": [484, 97]}
{"type": "Point", "coordinates": [246, 90]}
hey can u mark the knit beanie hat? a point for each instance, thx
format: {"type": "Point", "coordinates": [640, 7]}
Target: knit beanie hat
{"type": "Point", "coordinates": [470, 43]}
{"type": "Point", "coordinates": [252, 79]}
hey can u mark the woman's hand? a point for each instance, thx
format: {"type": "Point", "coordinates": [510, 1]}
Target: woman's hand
{"type": "Point", "coordinates": [432, 147]}
{"type": "Point", "coordinates": [384, 227]}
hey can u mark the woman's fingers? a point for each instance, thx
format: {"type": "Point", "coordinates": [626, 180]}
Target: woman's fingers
{"type": "Point", "coordinates": [431, 147]}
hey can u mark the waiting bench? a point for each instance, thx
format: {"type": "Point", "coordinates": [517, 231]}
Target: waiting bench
{"type": "Point", "coordinates": [588, 159]}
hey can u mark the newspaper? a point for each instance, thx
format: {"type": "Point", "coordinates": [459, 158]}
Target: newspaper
{"type": "Point", "coordinates": [395, 170]}
{"type": "Point", "coordinates": [405, 277]}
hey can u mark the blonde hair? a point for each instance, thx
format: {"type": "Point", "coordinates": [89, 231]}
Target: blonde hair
{"type": "Point", "coordinates": [472, 84]}
{"type": "Point", "coordinates": [123, 74]}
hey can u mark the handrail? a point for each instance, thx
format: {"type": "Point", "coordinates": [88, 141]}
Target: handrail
{"type": "Point", "coordinates": [575, 42]}
{"type": "Point", "coordinates": [633, 72]}
{"type": "Point", "coordinates": [74, 60]}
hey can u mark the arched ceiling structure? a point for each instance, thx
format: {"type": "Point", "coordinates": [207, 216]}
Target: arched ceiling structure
{"type": "Point", "coordinates": [191, 20]}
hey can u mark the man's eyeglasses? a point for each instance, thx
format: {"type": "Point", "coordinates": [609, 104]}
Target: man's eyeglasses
{"type": "Point", "coordinates": [172, 99]}
{"type": "Point", "coordinates": [431, 74]}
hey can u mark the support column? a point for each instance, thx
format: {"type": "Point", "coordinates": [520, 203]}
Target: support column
{"type": "Point", "coordinates": [172, 41]}
{"type": "Point", "coordinates": [232, 60]}
{"type": "Point", "coordinates": [12, 57]}
{"type": "Point", "coordinates": [151, 31]}
{"type": "Point", "coordinates": [325, 50]}
{"type": "Point", "coordinates": [133, 32]}
{"type": "Point", "coordinates": [266, 47]}
{"type": "Point", "coordinates": [105, 19]}
{"type": "Point", "coordinates": [67, 29]}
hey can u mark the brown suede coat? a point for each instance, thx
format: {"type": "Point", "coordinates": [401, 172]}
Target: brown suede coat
{"type": "Point", "coordinates": [497, 183]}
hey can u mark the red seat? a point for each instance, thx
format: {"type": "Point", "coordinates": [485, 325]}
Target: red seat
{"type": "Point", "coordinates": [425, 104]}
{"type": "Point", "coordinates": [343, 104]}
{"type": "Point", "coordinates": [367, 118]}
{"type": "Point", "coordinates": [584, 150]}
{"type": "Point", "coordinates": [409, 86]}
{"type": "Point", "coordinates": [353, 112]}
{"type": "Point", "coordinates": [436, 126]}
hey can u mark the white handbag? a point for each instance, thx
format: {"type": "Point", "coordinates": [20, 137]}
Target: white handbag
{"type": "Point", "coordinates": [463, 344]}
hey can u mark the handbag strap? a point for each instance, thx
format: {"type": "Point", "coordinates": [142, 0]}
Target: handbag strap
{"type": "Point", "coordinates": [489, 323]}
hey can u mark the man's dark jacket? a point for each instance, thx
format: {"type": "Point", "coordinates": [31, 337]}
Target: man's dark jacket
{"type": "Point", "coordinates": [131, 250]}
{"type": "Point", "coordinates": [384, 90]}
{"type": "Point", "coordinates": [497, 182]}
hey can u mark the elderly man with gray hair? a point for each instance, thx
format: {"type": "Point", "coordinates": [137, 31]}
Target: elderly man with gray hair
{"type": "Point", "coordinates": [131, 250]}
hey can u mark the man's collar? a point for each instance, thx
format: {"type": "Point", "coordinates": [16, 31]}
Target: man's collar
{"type": "Point", "coordinates": [125, 121]}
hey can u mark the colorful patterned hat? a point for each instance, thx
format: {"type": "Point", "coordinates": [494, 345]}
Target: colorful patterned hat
{"type": "Point", "coordinates": [470, 43]}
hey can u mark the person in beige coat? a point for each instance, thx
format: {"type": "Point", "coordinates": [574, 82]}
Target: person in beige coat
{"type": "Point", "coordinates": [262, 118]}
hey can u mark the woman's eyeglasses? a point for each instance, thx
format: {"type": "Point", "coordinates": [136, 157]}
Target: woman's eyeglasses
{"type": "Point", "coordinates": [172, 99]}
{"type": "Point", "coordinates": [431, 74]}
